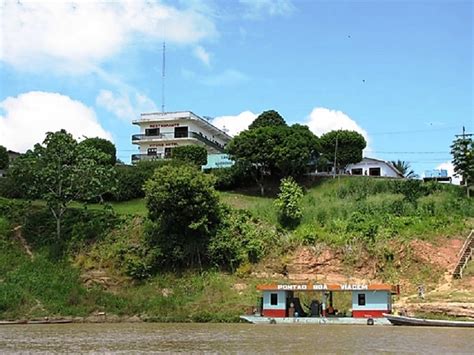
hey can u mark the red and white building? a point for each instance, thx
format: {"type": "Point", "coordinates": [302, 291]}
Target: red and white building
{"type": "Point", "coordinates": [367, 300]}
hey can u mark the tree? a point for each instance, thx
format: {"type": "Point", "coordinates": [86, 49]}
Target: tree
{"type": "Point", "coordinates": [404, 168]}
{"type": "Point", "coordinates": [289, 203]}
{"type": "Point", "coordinates": [350, 145]}
{"type": "Point", "coordinates": [276, 151]}
{"type": "Point", "coordinates": [462, 150]}
{"type": "Point", "coordinates": [268, 119]}
{"type": "Point", "coordinates": [4, 159]}
{"type": "Point", "coordinates": [61, 171]}
{"type": "Point", "coordinates": [185, 209]}
{"type": "Point", "coordinates": [103, 145]}
{"type": "Point", "coordinates": [192, 154]}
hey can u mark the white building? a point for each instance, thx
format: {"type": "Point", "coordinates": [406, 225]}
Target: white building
{"type": "Point", "coordinates": [160, 132]}
{"type": "Point", "coordinates": [373, 167]}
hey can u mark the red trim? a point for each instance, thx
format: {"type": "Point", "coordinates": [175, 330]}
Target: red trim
{"type": "Point", "coordinates": [369, 313]}
{"type": "Point", "coordinates": [279, 313]}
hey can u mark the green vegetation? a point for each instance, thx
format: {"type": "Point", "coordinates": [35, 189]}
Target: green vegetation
{"type": "Point", "coordinates": [272, 150]}
{"type": "Point", "coordinates": [462, 150]}
{"type": "Point", "coordinates": [102, 145]}
{"type": "Point", "coordinates": [344, 146]}
{"type": "Point", "coordinates": [4, 159]}
{"type": "Point", "coordinates": [354, 215]}
{"type": "Point", "coordinates": [191, 154]}
{"type": "Point", "coordinates": [288, 203]}
{"type": "Point", "coordinates": [62, 171]}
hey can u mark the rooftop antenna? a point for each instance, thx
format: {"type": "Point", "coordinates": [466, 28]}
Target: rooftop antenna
{"type": "Point", "coordinates": [163, 79]}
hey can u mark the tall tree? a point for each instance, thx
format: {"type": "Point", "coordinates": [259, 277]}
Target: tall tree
{"type": "Point", "coordinates": [183, 203]}
{"type": "Point", "coordinates": [274, 151]}
{"type": "Point", "coordinates": [462, 150]}
{"type": "Point", "coordinates": [268, 119]}
{"type": "Point", "coordinates": [61, 171]}
{"type": "Point", "coordinates": [343, 146]}
{"type": "Point", "coordinates": [404, 168]}
{"type": "Point", "coordinates": [4, 159]}
{"type": "Point", "coordinates": [103, 145]}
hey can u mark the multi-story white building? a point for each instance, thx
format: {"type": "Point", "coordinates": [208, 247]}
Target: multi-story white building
{"type": "Point", "coordinates": [160, 132]}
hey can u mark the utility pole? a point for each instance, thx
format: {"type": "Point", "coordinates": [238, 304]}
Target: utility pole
{"type": "Point", "coordinates": [163, 79]}
{"type": "Point", "coordinates": [464, 136]}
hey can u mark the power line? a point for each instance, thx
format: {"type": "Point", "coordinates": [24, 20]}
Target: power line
{"type": "Point", "coordinates": [414, 131]}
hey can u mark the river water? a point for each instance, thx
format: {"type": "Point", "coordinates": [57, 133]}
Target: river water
{"type": "Point", "coordinates": [232, 338]}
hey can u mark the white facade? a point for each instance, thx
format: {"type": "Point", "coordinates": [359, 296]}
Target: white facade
{"type": "Point", "coordinates": [373, 301]}
{"type": "Point", "coordinates": [373, 167]}
{"type": "Point", "coordinates": [162, 131]}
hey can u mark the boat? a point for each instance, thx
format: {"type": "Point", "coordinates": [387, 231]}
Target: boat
{"type": "Point", "coordinates": [404, 320]}
{"type": "Point", "coordinates": [49, 321]}
{"type": "Point", "coordinates": [256, 319]}
{"type": "Point", "coordinates": [281, 304]}
{"type": "Point", "coordinates": [12, 322]}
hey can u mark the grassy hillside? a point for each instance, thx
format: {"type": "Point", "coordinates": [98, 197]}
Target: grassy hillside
{"type": "Point", "coordinates": [91, 269]}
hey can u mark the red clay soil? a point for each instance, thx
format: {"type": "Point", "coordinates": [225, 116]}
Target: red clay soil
{"type": "Point", "coordinates": [327, 264]}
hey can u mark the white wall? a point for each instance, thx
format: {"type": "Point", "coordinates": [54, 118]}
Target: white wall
{"type": "Point", "coordinates": [281, 300]}
{"type": "Point", "coordinates": [385, 170]}
{"type": "Point", "coordinates": [374, 300]}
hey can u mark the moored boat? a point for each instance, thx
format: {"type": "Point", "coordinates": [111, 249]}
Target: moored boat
{"type": "Point", "coordinates": [12, 322]}
{"type": "Point", "coordinates": [404, 320]}
{"type": "Point", "coordinates": [281, 303]}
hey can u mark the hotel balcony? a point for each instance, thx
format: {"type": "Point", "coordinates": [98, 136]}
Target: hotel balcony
{"type": "Point", "coordinates": [136, 138]}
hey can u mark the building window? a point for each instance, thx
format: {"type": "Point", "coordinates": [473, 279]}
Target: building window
{"type": "Point", "coordinates": [168, 153]}
{"type": "Point", "coordinates": [152, 132]}
{"type": "Point", "coordinates": [151, 151]}
{"type": "Point", "coordinates": [180, 132]}
{"type": "Point", "coordinates": [374, 171]}
{"type": "Point", "coordinates": [357, 171]}
{"type": "Point", "coordinates": [361, 299]}
{"type": "Point", "coordinates": [274, 299]}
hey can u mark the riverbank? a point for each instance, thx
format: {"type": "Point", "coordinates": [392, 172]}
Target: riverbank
{"type": "Point", "coordinates": [106, 269]}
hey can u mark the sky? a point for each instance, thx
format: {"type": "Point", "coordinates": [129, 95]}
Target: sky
{"type": "Point", "coordinates": [398, 72]}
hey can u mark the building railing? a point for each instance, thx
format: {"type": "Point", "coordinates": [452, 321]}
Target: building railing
{"type": "Point", "coordinates": [199, 136]}
{"type": "Point", "coordinates": [216, 145]}
{"type": "Point", "coordinates": [140, 157]}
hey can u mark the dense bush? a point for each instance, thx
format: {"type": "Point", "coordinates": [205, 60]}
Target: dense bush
{"type": "Point", "coordinates": [185, 208]}
{"type": "Point", "coordinates": [191, 154]}
{"type": "Point", "coordinates": [131, 179]}
{"type": "Point", "coordinates": [240, 239]}
{"type": "Point", "coordinates": [125, 250]}
{"type": "Point", "coordinates": [238, 175]}
{"type": "Point", "coordinates": [289, 203]}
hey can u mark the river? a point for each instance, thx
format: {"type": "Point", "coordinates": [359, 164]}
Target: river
{"type": "Point", "coordinates": [234, 338]}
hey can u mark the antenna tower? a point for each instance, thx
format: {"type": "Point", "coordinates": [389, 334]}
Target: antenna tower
{"type": "Point", "coordinates": [163, 79]}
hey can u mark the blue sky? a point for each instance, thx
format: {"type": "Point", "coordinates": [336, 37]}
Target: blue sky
{"type": "Point", "coordinates": [400, 72]}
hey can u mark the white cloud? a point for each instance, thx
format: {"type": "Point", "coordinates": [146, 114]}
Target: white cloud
{"type": "Point", "coordinates": [75, 36]}
{"type": "Point", "coordinates": [202, 55]}
{"type": "Point", "coordinates": [235, 124]}
{"type": "Point", "coordinates": [450, 168]}
{"type": "Point", "coordinates": [30, 115]}
{"type": "Point", "coordinates": [322, 120]}
{"type": "Point", "coordinates": [121, 105]}
{"type": "Point", "coordinates": [259, 8]}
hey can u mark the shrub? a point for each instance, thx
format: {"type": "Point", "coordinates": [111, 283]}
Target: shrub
{"type": "Point", "coordinates": [181, 200]}
{"type": "Point", "coordinates": [191, 154]}
{"type": "Point", "coordinates": [289, 203]}
{"type": "Point", "coordinates": [239, 240]}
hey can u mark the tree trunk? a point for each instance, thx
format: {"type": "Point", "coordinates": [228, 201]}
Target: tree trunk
{"type": "Point", "coordinates": [262, 189]}
{"type": "Point", "coordinates": [58, 228]}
